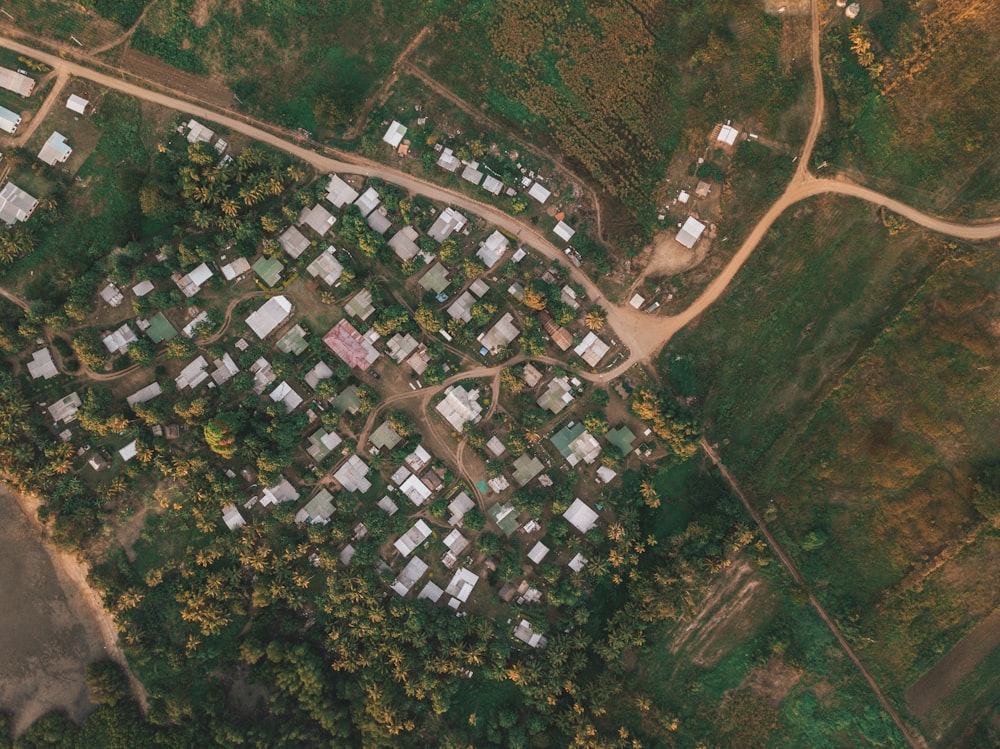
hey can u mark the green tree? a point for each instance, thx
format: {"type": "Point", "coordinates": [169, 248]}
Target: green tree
{"type": "Point", "coordinates": [474, 519]}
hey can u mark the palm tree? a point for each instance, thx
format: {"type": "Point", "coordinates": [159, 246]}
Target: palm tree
{"type": "Point", "coordinates": [596, 319]}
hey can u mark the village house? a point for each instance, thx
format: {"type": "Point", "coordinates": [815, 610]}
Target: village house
{"type": "Point", "coordinates": [317, 510]}
{"type": "Point", "coordinates": [41, 365]}
{"type": "Point", "coordinates": [581, 516]}
{"type": "Point", "coordinates": [269, 316]}
{"type": "Point", "coordinates": [268, 269]}
{"type": "Point", "coordinates": [339, 193]}
{"type": "Point", "coordinates": [592, 349]}
{"type": "Point", "coordinates": [526, 467]}
{"type": "Point", "coordinates": [576, 444]}
{"type": "Point", "coordinates": [690, 232]}
{"type": "Point", "coordinates": [360, 305]}
{"type": "Point", "coordinates": [404, 243]}
{"type": "Point", "coordinates": [15, 204]}
{"type": "Point", "coordinates": [191, 283]}
{"type": "Point", "coordinates": [557, 395]}
{"type": "Point", "coordinates": [55, 150]}
{"type": "Point", "coordinates": [460, 406]}
{"type": "Point", "coordinates": [368, 201]}
{"type": "Point", "coordinates": [326, 267]}
{"type": "Point", "coordinates": [352, 475]}
{"type": "Point", "coordinates": [448, 222]}
{"type": "Point", "coordinates": [500, 335]}
{"type": "Point", "coordinates": [350, 346]}
{"type": "Point", "coordinates": [17, 82]}
{"type": "Point", "coordinates": [9, 121]}
{"type": "Point", "coordinates": [317, 218]}
{"type": "Point", "coordinates": [293, 242]}
{"type": "Point", "coordinates": [65, 408]}
{"type": "Point", "coordinates": [409, 576]}
{"type": "Point", "coordinates": [492, 250]}
{"type": "Point", "coordinates": [77, 104]}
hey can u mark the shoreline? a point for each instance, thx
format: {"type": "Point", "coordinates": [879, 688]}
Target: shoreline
{"type": "Point", "coordinates": [82, 599]}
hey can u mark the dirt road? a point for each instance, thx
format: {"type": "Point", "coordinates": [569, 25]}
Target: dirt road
{"type": "Point", "coordinates": [642, 334]}
{"type": "Point", "coordinates": [912, 737]}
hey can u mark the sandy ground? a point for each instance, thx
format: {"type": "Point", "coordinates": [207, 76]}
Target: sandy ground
{"type": "Point", "coordinates": [49, 631]}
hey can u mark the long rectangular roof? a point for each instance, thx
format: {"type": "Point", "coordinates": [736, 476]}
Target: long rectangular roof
{"type": "Point", "coordinates": [16, 82]}
{"type": "Point", "coordinates": [269, 316]}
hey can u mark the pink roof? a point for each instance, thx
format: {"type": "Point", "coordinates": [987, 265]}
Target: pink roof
{"type": "Point", "coordinates": [346, 342]}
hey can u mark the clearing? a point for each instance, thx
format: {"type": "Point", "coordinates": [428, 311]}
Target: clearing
{"type": "Point", "coordinates": [49, 631]}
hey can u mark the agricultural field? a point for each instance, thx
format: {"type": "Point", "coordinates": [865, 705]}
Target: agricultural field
{"type": "Point", "coordinates": [847, 378]}
{"type": "Point", "coordinates": [913, 101]}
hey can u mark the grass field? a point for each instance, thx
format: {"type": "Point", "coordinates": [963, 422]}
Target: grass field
{"type": "Point", "coordinates": [847, 376]}
{"type": "Point", "coordinates": [287, 61]}
{"type": "Point", "coordinates": [918, 121]}
{"type": "Point", "coordinates": [748, 664]}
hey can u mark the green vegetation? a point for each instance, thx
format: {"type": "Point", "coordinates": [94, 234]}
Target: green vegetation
{"type": "Point", "coordinates": [902, 60]}
{"type": "Point", "coordinates": [302, 63]}
{"type": "Point", "coordinates": [617, 86]}
{"type": "Point", "coordinates": [848, 372]}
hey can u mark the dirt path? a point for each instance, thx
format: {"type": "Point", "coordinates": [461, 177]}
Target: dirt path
{"type": "Point", "coordinates": [52, 623]}
{"type": "Point", "coordinates": [61, 77]}
{"type": "Point", "coordinates": [642, 334]}
{"type": "Point", "coordinates": [126, 35]}
{"type": "Point", "coordinates": [913, 738]}
{"type": "Point", "coordinates": [382, 94]}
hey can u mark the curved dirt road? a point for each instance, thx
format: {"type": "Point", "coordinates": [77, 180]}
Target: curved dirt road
{"type": "Point", "coordinates": [642, 334]}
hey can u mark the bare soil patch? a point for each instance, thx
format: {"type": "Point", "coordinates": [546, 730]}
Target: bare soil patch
{"type": "Point", "coordinates": [935, 685]}
{"type": "Point", "coordinates": [773, 683]}
{"type": "Point", "coordinates": [167, 76]}
{"type": "Point", "coordinates": [738, 601]}
{"type": "Point", "coordinates": [49, 631]}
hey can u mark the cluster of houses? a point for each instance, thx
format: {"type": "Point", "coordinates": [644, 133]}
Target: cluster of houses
{"type": "Point", "coordinates": [418, 479]}
{"type": "Point", "coordinates": [481, 176]}
{"type": "Point", "coordinates": [16, 204]}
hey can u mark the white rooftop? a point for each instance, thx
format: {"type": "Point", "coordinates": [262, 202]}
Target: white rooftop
{"type": "Point", "coordinates": [41, 365]}
{"type": "Point", "coordinates": [232, 517]}
{"type": "Point", "coordinates": [409, 575]}
{"type": "Point", "coordinates": [193, 374]}
{"type": "Point", "coordinates": [351, 475]}
{"type": "Point", "coordinates": [15, 204]}
{"type": "Point", "coordinates": [77, 104]}
{"type": "Point", "coordinates": [539, 193]}
{"type": "Point", "coordinates": [339, 192]}
{"type": "Point", "coordinates": [317, 218]}
{"type": "Point", "coordinates": [592, 349]}
{"type": "Point", "coordinates": [395, 134]}
{"type": "Point", "coordinates": [493, 248]}
{"type": "Point", "coordinates": [690, 232]}
{"type": "Point", "coordinates": [293, 242]}
{"type": "Point", "coordinates": [326, 267]}
{"type": "Point", "coordinates": [368, 201]}
{"type": "Point", "coordinates": [269, 316]}
{"type": "Point", "coordinates": [564, 231]}
{"type": "Point", "coordinates": [449, 221]}
{"type": "Point", "coordinates": [409, 541]}
{"type": "Point", "coordinates": [198, 133]}
{"type": "Point", "coordinates": [538, 552]}
{"type": "Point", "coordinates": [460, 406]}
{"type": "Point", "coordinates": [727, 135]}
{"type": "Point", "coordinates": [55, 150]}
{"type": "Point", "coordinates": [461, 584]}
{"type": "Point", "coordinates": [581, 516]}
